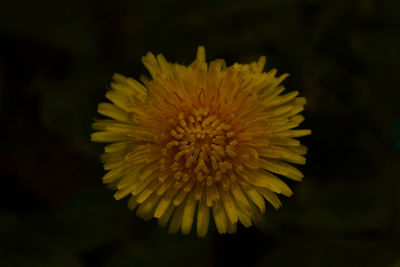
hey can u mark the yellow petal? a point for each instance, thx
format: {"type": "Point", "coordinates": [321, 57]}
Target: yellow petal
{"type": "Point", "coordinates": [261, 64]}
{"type": "Point", "coordinates": [287, 154]}
{"type": "Point", "coordinates": [166, 216]}
{"type": "Point", "coordinates": [240, 198]}
{"type": "Point", "coordinates": [148, 191]}
{"type": "Point", "coordinates": [151, 64]}
{"type": "Point", "coordinates": [162, 207]}
{"type": "Point", "coordinates": [203, 218]}
{"type": "Point", "coordinates": [302, 150]}
{"type": "Point", "coordinates": [176, 220]}
{"type": "Point", "coordinates": [188, 214]}
{"type": "Point", "coordinates": [113, 112]}
{"type": "Point", "coordinates": [294, 133]}
{"type": "Point", "coordinates": [116, 147]}
{"type": "Point", "coordinates": [257, 199]}
{"type": "Point", "coordinates": [268, 180]}
{"type": "Point", "coordinates": [282, 99]}
{"type": "Point", "coordinates": [113, 175]}
{"type": "Point", "coordinates": [201, 54]}
{"type": "Point", "coordinates": [132, 204]}
{"type": "Point", "coordinates": [164, 65]}
{"type": "Point", "coordinates": [123, 192]}
{"type": "Point", "coordinates": [243, 216]}
{"type": "Point", "coordinates": [108, 137]}
{"type": "Point", "coordinates": [220, 218]}
{"type": "Point", "coordinates": [282, 168]}
{"type": "Point", "coordinates": [146, 209]}
{"type": "Point", "coordinates": [229, 207]}
{"type": "Point", "coordinates": [270, 197]}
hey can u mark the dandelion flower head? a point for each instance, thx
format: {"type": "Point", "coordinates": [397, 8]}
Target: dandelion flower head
{"type": "Point", "coordinates": [200, 141]}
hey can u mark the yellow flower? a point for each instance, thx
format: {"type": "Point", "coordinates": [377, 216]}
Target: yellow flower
{"type": "Point", "coordinates": [199, 139]}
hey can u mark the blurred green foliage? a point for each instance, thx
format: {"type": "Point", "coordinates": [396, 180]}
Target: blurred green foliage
{"type": "Point", "coordinates": [57, 58]}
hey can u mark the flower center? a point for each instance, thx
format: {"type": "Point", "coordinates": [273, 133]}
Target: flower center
{"type": "Point", "coordinates": [201, 141]}
{"type": "Point", "coordinates": [200, 147]}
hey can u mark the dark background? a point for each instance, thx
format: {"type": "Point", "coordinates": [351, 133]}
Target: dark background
{"type": "Point", "coordinates": [57, 58]}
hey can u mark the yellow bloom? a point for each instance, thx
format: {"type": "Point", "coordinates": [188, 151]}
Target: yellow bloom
{"type": "Point", "coordinates": [204, 138]}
